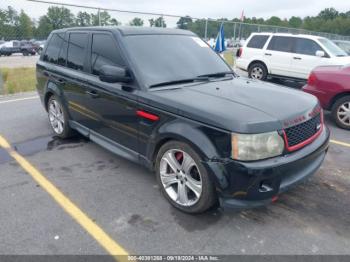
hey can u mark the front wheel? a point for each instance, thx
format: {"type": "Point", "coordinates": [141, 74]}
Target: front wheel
{"type": "Point", "coordinates": [58, 118]}
{"type": "Point", "coordinates": [183, 179]}
{"type": "Point", "coordinates": [257, 71]}
{"type": "Point", "coordinates": [341, 112]}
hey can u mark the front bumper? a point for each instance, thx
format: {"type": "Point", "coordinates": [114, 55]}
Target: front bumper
{"type": "Point", "coordinates": [253, 184]}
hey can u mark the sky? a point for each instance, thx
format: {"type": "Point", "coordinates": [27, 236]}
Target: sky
{"type": "Point", "coordinates": [195, 8]}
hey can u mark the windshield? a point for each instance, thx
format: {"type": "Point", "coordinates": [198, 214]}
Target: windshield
{"type": "Point", "coordinates": [332, 48]}
{"type": "Point", "coordinates": [168, 58]}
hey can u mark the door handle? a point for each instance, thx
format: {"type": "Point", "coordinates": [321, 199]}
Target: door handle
{"type": "Point", "coordinates": [268, 54]}
{"type": "Point", "coordinates": [296, 58]}
{"type": "Point", "coordinates": [61, 81]}
{"type": "Point", "coordinates": [92, 93]}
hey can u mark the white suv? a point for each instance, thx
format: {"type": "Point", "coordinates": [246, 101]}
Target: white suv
{"type": "Point", "coordinates": [287, 55]}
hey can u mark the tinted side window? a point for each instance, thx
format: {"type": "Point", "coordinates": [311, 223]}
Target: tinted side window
{"type": "Point", "coordinates": [62, 57]}
{"type": "Point", "coordinates": [53, 48]}
{"type": "Point", "coordinates": [104, 52]}
{"type": "Point", "coordinates": [76, 50]}
{"type": "Point", "coordinates": [258, 41]}
{"type": "Point", "coordinates": [306, 47]}
{"type": "Point", "coordinates": [281, 43]}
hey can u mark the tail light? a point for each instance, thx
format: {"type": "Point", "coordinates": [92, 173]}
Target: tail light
{"type": "Point", "coordinates": [240, 51]}
{"type": "Point", "coordinates": [312, 79]}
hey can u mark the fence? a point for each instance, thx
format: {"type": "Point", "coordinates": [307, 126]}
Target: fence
{"type": "Point", "coordinates": [38, 18]}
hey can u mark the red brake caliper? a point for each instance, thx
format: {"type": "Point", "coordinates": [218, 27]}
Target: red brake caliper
{"type": "Point", "coordinates": [179, 156]}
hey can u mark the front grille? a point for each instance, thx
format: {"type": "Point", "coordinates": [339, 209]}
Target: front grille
{"type": "Point", "coordinates": [301, 132]}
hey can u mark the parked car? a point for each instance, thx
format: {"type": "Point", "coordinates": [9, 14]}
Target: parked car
{"type": "Point", "coordinates": [39, 46]}
{"type": "Point", "coordinates": [12, 47]}
{"type": "Point", "coordinates": [331, 85]}
{"type": "Point", "coordinates": [287, 55]}
{"type": "Point", "coordinates": [345, 45]}
{"type": "Point", "coordinates": [209, 135]}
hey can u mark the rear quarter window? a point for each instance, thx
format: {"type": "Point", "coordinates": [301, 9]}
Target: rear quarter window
{"type": "Point", "coordinates": [257, 41]}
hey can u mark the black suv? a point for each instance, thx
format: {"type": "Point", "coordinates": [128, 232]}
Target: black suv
{"type": "Point", "coordinates": [165, 99]}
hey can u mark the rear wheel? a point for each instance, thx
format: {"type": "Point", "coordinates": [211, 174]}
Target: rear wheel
{"type": "Point", "coordinates": [341, 112]}
{"type": "Point", "coordinates": [183, 179]}
{"type": "Point", "coordinates": [257, 71]}
{"type": "Point", "coordinates": [58, 117]}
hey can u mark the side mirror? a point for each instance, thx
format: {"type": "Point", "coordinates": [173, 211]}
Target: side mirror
{"type": "Point", "coordinates": [114, 74]}
{"type": "Point", "coordinates": [320, 53]}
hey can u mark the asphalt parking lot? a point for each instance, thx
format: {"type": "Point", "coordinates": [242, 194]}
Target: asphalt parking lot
{"type": "Point", "coordinates": [18, 60]}
{"type": "Point", "coordinates": [123, 200]}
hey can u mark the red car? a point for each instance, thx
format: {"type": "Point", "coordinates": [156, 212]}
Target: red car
{"type": "Point", "coordinates": [331, 85]}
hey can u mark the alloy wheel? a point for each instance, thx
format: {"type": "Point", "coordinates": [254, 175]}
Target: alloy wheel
{"type": "Point", "coordinates": [343, 113]}
{"type": "Point", "coordinates": [56, 116]}
{"type": "Point", "coordinates": [180, 177]}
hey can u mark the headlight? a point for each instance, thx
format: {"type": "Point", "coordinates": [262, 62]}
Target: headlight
{"type": "Point", "coordinates": [249, 147]}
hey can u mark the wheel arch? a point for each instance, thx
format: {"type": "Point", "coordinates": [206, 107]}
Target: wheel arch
{"type": "Point", "coordinates": [183, 132]}
{"type": "Point", "coordinates": [258, 61]}
{"type": "Point", "coordinates": [336, 98]}
{"type": "Point", "coordinates": [197, 140]}
{"type": "Point", "coordinates": [51, 89]}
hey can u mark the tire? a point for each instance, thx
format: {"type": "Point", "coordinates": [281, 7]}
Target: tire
{"type": "Point", "coordinates": [25, 53]}
{"type": "Point", "coordinates": [58, 118]}
{"type": "Point", "coordinates": [195, 177]}
{"type": "Point", "coordinates": [341, 112]}
{"type": "Point", "coordinates": [257, 71]}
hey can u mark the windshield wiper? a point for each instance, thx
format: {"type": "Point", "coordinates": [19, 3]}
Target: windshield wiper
{"type": "Point", "coordinates": [181, 81]}
{"type": "Point", "coordinates": [340, 55]}
{"type": "Point", "coordinates": [218, 74]}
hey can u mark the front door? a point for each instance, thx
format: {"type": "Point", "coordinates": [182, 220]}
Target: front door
{"type": "Point", "coordinates": [114, 103]}
{"type": "Point", "coordinates": [304, 57]}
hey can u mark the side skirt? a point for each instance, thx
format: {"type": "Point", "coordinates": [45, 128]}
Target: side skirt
{"type": "Point", "coordinates": [109, 144]}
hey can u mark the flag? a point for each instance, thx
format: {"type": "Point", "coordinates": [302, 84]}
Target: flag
{"type": "Point", "coordinates": [220, 40]}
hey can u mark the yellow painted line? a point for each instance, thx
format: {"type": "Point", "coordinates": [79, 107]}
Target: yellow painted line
{"type": "Point", "coordinates": [18, 99]}
{"type": "Point", "coordinates": [340, 143]}
{"type": "Point", "coordinates": [113, 248]}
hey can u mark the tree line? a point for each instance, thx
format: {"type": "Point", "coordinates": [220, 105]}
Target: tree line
{"type": "Point", "coordinates": [19, 25]}
{"type": "Point", "coordinates": [328, 20]}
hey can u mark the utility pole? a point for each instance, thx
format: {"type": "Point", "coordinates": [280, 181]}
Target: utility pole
{"type": "Point", "coordinates": [206, 30]}
{"type": "Point", "coordinates": [234, 32]}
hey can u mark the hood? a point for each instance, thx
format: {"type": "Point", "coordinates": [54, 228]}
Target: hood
{"type": "Point", "coordinates": [341, 60]}
{"type": "Point", "coordinates": [239, 105]}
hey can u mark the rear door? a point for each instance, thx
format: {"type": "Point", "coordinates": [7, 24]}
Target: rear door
{"type": "Point", "coordinates": [304, 57]}
{"type": "Point", "coordinates": [74, 77]}
{"type": "Point", "coordinates": [278, 56]}
{"type": "Point", "coordinates": [47, 65]}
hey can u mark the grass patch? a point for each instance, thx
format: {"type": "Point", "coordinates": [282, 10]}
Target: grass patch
{"type": "Point", "coordinates": [17, 80]}
{"type": "Point", "coordinates": [228, 55]}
